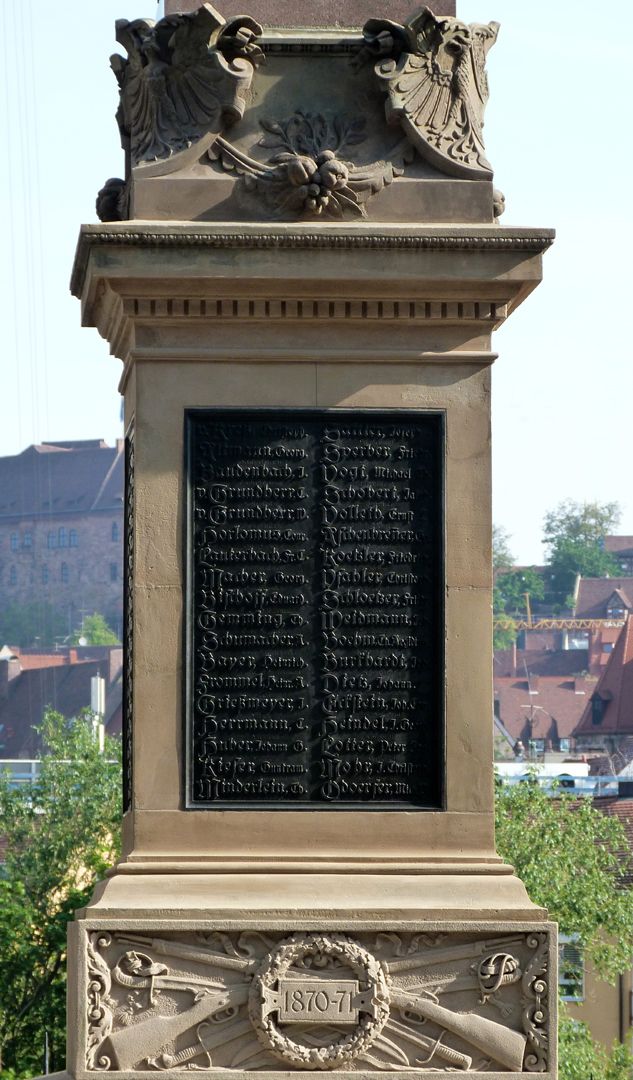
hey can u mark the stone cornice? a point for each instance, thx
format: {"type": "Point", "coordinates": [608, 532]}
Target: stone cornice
{"type": "Point", "coordinates": [456, 239]}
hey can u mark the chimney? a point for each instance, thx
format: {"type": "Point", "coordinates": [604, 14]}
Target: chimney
{"type": "Point", "coordinates": [9, 669]}
{"type": "Point", "coordinates": [579, 685]}
{"type": "Point", "coordinates": [533, 683]}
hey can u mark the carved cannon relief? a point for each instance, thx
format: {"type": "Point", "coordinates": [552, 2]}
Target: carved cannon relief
{"type": "Point", "coordinates": [255, 1001]}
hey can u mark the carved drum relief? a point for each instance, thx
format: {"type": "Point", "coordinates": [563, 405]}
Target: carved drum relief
{"type": "Point", "coordinates": [381, 1001]}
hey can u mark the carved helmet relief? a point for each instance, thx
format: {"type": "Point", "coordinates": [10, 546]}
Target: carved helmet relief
{"type": "Point", "coordinates": [253, 1001]}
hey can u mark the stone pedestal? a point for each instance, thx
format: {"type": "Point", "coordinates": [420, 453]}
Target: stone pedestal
{"type": "Point", "coordinates": [373, 933]}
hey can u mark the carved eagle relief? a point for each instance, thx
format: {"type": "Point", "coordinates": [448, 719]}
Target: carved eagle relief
{"type": "Point", "coordinates": [436, 80]}
{"type": "Point", "coordinates": [185, 76]}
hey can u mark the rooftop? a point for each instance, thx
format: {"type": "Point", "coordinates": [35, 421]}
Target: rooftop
{"type": "Point", "coordinates": [543, 707]}
{"type": "Point", "coordinates": [594, 595]}
{"type": "Point", "coordinates": [62, 477]}
{"type": "Point", "coordinates": [614, 690]}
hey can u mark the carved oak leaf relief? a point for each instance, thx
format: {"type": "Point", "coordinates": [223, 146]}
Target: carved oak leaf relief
{"type": "Point", "coordinates": [475, 1003]}
{"type": "Point", "coordinates": [311, 173]}
{"type": "Point", "coordinates": [184, 77]}
{"type": "Point", "coordinates": [434, 74]}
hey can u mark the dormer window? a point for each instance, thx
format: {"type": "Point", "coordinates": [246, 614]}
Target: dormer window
{"type": "Point", "coordinates": [597, 710]}
{"type": "Point", "coordinates": [616, 606]}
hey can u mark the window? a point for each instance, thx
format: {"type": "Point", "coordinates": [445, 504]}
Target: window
{"type": "Point", "coordinates": [115, 532]}
{"type": "Point", "coordinates": [27, 540]}
{"type": "Point", "coordinates": [597, 710]}
{"type": "Point", "coordinates": [571, 972]}
{"type": "Point", "coordinates": [45, 575]}
{"type": "Point", "coordinates": [63, 573]}
{"type": "Point", "coordinates": [72, 538]}
{"type": "Point", "coordinates": [13, 576]}
{"type": "Point", "coordinates": [14, 542]}
{"type": "Point", "coordinates": [114, 572]}
{"type": "Point", "coordinates": [62, 539]}
{"type": "Point", "coordinates": [537, 746]}
{"type": "Point", "coordinates": [51, 540]}
{"type": "Point", "coordinates": [565, 745]}
{"type": "Point", "coordinates": [607, 646]}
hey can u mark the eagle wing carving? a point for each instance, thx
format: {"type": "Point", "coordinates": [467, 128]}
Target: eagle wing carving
{"type": "Point", "coordinates": [434, 70]}
{"type": "Point", "coordinates": [184, 77]}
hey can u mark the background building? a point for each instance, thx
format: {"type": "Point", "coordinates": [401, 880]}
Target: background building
{"type": "Point", "coordinates": [30, 682]}
{"type": "Point", "coordinates": [61, 530]}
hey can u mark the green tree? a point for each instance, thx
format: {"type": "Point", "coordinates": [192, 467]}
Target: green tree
{"type": "Point", "coordinates": [580, 1058]}
{"type": "Point", "coordinates": [31, 624]}
{"type": "Point", "coordinates": [502, 557]}
{"type": "Point", "coordinates": [569, 857]}
{"type": "Point", "coordinates": [95, 631]}
{"type": "Point", "coordinates": [513, 586]}
{"type": "Point", "coordinates": [573, 534]}
{"type": "Point", "coordinates": [62, 833]}
{"type": "Point", "coordinates": [504, 629]}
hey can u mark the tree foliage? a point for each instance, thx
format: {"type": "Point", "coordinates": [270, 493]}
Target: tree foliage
{"type": "Point", "coordinates": [587, 522]}
{"type": "Point", "coordinates": [569, 856]}
{"type": "Point", "coordinates": [29, 624]}
{"type": "Point", "coordinates": [502, 557]}
{"type": "Point", "coordinates": [504, 631]}
{"type": "Point", "coordinates": [573, 534]}
{"type": "Point", "coordinates": [95, 631]}
{"type": "Point", "coordinates": [62, 833]}
{"type": "Point", "coordinates": [513, 586]}
{"type": "Point", "coordinates": [580, 1058]}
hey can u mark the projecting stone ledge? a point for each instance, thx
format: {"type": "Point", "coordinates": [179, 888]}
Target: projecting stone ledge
{"type": "Point", "coordinates": [454, 285]}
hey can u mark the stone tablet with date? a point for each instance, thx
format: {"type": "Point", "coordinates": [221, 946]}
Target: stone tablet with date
{"type": "Point", "coordinates": [314, 609]}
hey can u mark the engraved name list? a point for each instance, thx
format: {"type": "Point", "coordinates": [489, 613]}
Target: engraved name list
{"type": "Point", "coordinates": [315, 588]}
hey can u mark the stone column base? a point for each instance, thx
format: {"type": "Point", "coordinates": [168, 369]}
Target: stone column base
{"type": "Point", "coordinates": [236, 995]}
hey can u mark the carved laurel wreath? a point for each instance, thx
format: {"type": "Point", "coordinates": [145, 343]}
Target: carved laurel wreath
{"type": "Point", "coordinates": [343, 1050]}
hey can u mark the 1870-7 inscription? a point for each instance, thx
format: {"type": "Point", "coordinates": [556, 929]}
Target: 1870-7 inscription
{"type": "Point", "coordinates": [316, 578]}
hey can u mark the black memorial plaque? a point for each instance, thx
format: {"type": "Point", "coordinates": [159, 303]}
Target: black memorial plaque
{"type": "Point", "coordinates": [315, 609]}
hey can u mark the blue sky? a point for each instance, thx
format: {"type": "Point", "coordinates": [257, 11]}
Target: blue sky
{"type": "Point", "coordinates": [557, 135]}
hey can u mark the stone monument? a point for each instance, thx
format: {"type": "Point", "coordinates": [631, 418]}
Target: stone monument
{"type": "Point", "coordinates": [301, 270]}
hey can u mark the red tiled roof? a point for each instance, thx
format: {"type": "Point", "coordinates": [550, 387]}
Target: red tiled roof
{"type": "Point", "coordinates": [615, 687]}
{"type": "Point", "coordinates": [65, 688]}
{"type": "Point", "coordinates": [61, 478]}
{"type": "Point", "coordinates": [551, 713]}
{"type": "Point", "coordinates": [619, 544]}
{"type": "Point", "coordinates": [556, 662]}
{"type": "Point", "coordinates": [594, 594]}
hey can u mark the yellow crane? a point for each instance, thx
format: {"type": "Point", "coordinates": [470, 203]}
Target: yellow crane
{"type": "Point", "coordinates": [557, 623]}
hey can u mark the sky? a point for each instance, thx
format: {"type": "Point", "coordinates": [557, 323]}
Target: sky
{"type": "Point", "coordinates": [557, 136]}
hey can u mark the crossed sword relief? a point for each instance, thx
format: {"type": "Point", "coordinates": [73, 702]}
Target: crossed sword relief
{"type": "Point", "coordinates": [214, 1012]}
